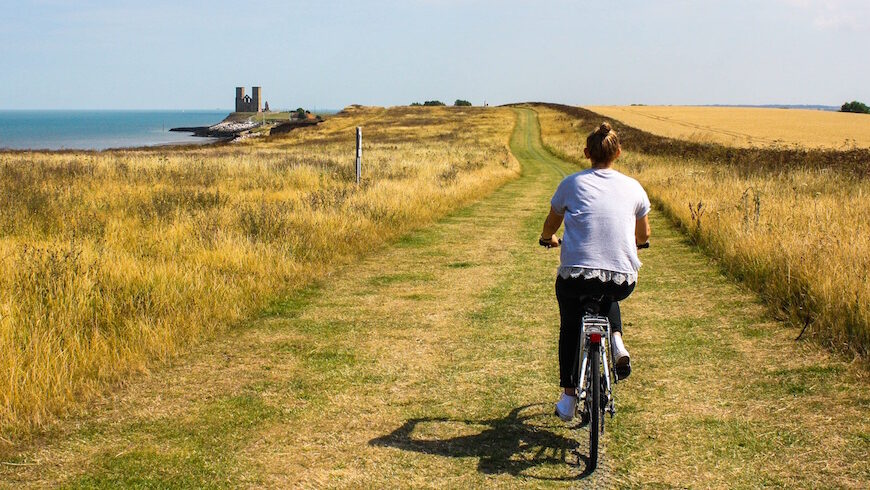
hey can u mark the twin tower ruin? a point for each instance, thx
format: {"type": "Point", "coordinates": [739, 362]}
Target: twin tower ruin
{"type": "Point", "coordinates": [249, 103]}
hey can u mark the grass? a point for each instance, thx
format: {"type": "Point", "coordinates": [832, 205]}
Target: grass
{"type": "Point", "coordinates": [200, 457]}
{"type": "Point", "coordinates": [273, 116]}
{"type": "Point", "coordinates": [116, 260]}
{"type": "Point", "coordinates": [351, 384]}
{"type": "Point", "coordinates": [796, 235]}
{"type": "Point", "coordinates": [747, 127]}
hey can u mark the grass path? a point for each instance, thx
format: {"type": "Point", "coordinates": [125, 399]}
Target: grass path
{"type": "Point", "coordinates": [433, 364]}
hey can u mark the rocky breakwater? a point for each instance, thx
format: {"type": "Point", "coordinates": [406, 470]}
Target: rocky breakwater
{"type": "Point", "coordinates": [223, 129]}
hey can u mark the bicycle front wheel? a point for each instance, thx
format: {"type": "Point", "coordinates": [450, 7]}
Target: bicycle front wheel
{"type": "Point", "coordinates": [594, 404]}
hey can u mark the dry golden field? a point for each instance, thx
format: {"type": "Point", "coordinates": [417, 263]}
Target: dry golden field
{"type": "Point", "coordinates": [800, 237]}
{"type": "Point", "coordinates": [112, 260]}
{"type": "Point", "coordinates": [747, 127]}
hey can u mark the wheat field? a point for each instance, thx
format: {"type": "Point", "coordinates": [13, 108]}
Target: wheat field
{"type": "Point", "coordinates": [115, 260]}
{"type": "Point", "coordinates": [798, 236]}
{"type": "Point", "coordinates": [747, 127]}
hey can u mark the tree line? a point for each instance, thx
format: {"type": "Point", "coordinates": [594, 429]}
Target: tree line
{"type": "Point", "coordinates": [855, 106]}
{"type": "Point", "coordinates": [435, 103]}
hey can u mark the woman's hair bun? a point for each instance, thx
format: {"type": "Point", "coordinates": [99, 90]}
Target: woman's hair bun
{"type": "Point", "coordinates": [603, 144]}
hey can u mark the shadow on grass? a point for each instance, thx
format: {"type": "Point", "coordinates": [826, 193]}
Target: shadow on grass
{"type": "Point", "coordinates": [519, 444]}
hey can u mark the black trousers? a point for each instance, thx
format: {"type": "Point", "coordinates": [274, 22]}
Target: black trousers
{"type": "Point", "coordinates": [569, 293]}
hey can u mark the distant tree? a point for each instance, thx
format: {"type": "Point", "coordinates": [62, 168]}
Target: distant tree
{"type": "Point", "coordinates": [433, 103]}
{"type": "Point", "coordinates": [416, 104]}
{"type": "Point", "coordinates": [855, 106]}
{"type": "Point", "coordinates": [461, 103]}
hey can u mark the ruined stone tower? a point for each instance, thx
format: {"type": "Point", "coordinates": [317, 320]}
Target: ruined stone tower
{"type": "Point", "coordinates": [257, 98]}
{"type": "Point", "coordinates": [249, 103]}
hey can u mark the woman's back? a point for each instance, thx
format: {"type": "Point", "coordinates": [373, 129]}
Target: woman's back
{"type": "Point", "coordinates": [600, 207]}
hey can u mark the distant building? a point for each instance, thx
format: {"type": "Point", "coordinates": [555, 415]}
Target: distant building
{"type": "Point", "coordinates": [248, 103]}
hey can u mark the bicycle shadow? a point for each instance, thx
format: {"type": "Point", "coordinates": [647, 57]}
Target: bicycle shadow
{"type": "Point", "coordinates": [517, 444]}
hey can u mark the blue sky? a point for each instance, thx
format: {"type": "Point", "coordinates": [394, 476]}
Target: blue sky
{"type": "Point", "coordinates": [160, 54]}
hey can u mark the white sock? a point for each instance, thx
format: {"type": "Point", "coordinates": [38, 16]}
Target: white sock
{"type": "Point", "coordinates": [619, 350]}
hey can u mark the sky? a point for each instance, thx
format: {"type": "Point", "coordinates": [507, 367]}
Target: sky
{"type": "Point", "coordinates": [323, 54]}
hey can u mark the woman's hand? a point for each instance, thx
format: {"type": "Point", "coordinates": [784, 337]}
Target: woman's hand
{"type": "Point", "coordinates": [552, 242]}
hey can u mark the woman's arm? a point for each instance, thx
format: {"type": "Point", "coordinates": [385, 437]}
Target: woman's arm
{"type": "Point", "coordinates": [551, 226]}
{"type": "Point", "coordinates": [642, 230]}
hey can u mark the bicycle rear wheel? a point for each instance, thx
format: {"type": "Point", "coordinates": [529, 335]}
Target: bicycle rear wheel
{"type": "Point", "coordinates": [594, 404]}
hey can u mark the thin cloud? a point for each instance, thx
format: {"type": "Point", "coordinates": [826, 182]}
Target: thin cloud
{"type": "Point", "coordinates": [835, 14]}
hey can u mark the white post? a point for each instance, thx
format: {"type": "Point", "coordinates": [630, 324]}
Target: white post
{"type": "Point", "coordinates": [358, 154]}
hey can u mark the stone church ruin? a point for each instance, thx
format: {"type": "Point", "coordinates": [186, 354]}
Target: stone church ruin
{"type": "Point", "coordinates": [249, 103]}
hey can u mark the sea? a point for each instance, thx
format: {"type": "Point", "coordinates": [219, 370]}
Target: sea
{"type": "Point", "coordinates": [100, 130]}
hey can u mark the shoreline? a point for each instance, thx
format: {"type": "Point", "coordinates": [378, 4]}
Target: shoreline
{"type": "Point", "coordinates": [99, 131]}
{"type": "Point", "coordinates": [193, 142]}
{"type": "Point", "coordinates": [233, 127]}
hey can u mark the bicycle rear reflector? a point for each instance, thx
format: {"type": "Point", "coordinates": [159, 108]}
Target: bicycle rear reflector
{"type": "Point", "coordinates": [595, 338]}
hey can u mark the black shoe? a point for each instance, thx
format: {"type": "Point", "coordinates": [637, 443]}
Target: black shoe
{"type": "Point", "coordinates": [623, 368]}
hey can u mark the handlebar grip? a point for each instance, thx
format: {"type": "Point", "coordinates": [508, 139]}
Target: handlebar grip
{"type": "Point", "coordinates": [546, 244]}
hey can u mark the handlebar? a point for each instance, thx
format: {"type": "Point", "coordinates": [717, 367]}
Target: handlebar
{"type": "Point", "coordinates": [547, 244]}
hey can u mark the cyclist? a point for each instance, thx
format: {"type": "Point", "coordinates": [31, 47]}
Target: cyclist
{"type": "Point", "coordinates": [606, 217]}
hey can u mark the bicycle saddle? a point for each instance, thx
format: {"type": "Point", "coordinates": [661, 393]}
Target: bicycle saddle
{"type": "Point", "coordinates": [595, 305]}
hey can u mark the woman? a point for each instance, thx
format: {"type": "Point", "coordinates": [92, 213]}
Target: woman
{"type": "Point", "coordinates": [606, 217]}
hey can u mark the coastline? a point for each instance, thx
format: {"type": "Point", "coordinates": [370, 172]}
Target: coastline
{"type": "Point", "coordinates": [74, 131]}
{"type": "Point", "coordinates": [87, 132]}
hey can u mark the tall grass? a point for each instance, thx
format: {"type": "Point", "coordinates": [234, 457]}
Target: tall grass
{"type": "Point", "coordinates": [113, 260]}
{"type": "Point", "coordinates": [798, 235]}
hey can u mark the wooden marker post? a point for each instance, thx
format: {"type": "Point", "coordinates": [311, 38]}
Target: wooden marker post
{"type": "Point", "coordinates": [358, 154]}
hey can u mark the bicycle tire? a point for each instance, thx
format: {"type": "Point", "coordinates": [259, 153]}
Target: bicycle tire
{"type": "Point", "coordinates": [594, 404]}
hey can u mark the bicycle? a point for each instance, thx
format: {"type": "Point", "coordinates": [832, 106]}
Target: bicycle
{"type": "Point", "coordinates": [594, 353]}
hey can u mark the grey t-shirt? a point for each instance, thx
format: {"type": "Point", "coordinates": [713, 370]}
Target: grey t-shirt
{"type": "Point", "coordinates": [600, 207]}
